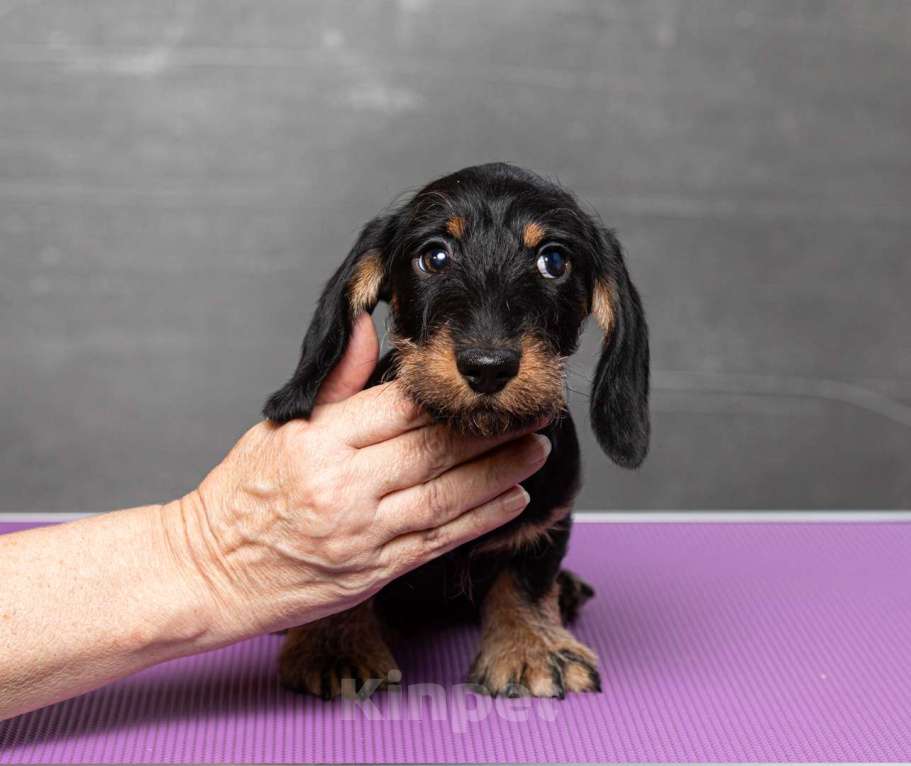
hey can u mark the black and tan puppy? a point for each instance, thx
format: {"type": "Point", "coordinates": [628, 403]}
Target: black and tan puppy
{"type": "Point", "coordinates": [490, 274]}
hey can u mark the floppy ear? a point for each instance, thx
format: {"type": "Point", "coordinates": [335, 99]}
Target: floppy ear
{"type": "Point", "coordinates": [356, 286]}
{"type": "Point", "coordinates": [619, 396]}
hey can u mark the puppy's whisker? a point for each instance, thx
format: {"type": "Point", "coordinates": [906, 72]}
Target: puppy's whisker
{"type": "Point", "coordinates": [386, 330]}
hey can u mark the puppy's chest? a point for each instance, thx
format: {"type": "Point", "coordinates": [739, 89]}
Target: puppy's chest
{"type": "Point", "coordinates": [453, 585]}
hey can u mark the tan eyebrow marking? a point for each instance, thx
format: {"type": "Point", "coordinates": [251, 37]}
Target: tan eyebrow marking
{"type": "Point", "coordinates": [456, 226]}
{"type": "Point", "coordinates": [532, 234]}
{"type": "Point", "coordinates": [364, 288]}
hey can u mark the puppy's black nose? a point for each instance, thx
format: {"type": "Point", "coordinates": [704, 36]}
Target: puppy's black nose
{"type": "Point", "coordinates": [488, 370]}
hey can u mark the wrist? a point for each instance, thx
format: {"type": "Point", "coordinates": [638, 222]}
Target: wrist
{"type": "Point", "coordinates": [192, 553]}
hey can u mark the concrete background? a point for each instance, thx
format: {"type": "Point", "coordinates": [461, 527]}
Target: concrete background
{"type": "Point", "coordinates": [177, 179]}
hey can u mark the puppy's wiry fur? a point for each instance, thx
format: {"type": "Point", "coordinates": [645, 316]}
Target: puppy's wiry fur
{"type": "Point", "coordinates": [526, 649]}
{"type": "Point", "coordinates": [429, 374]}
{"type": "Point", "coordinates": [319, 658]}
{"type": "Point", "coordinates": [497, 263]}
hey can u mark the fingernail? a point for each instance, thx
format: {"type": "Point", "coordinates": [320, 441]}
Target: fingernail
{"type": "Point", "coordinates": [542, 447]}
{"type": "Point", "coordinates": [517, 498]}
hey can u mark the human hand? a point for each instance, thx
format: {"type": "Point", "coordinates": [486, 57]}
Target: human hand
{"type": "Point", "coordinates": [312, 517]}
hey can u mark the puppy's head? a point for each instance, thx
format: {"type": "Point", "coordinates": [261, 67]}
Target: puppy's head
{"type": "Point", "coordinates": [490, 274]}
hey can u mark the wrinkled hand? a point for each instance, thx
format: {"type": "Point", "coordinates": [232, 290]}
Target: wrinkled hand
{"type": "Point", "coordinates": [310, 518]}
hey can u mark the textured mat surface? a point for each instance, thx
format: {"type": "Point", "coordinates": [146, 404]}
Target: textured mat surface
{"type": "Point", "coordinates": [719, 642]}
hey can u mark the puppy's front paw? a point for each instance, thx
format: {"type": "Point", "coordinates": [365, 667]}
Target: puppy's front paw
{"type": "Point", "coordinates": [538, 665]}
{"type": "Point", "coordinates": [344, 655]}
{"type": "Point", "coordinates": [331, 675]}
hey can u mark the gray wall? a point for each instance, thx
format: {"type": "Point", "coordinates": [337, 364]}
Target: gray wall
{"type": "Point", "coordinates": [178, 179]}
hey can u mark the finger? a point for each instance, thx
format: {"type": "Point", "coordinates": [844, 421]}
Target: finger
{"type": "Point", "coordinates": [410, 550]}
{"type": "Point", "coordinates": [374, 415]}
{"type": "Point", "coordinates": [459, 489]}
{"type": "Point", "coordinates": [424, 453]}
{"type": "Point", "coordinates": [353, 371]}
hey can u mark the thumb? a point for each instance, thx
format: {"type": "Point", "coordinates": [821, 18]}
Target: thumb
{"type": "Point", "coordinates": [353, 371]}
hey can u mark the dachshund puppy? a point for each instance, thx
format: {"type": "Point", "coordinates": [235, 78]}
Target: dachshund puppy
{"type": "Point", "coordinates": [490, 274]}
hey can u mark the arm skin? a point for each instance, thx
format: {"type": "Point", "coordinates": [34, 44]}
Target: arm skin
{"type": "Point", "coordinates": [88, 602]}
{"type": "Point", "coordinates": [298, 522]}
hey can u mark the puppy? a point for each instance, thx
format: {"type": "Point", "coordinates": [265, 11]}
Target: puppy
{"type": "Point", "coordinates": [490, 274]}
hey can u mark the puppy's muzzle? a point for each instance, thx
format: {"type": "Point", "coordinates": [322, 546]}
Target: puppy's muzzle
{"type": "Point", "coordinates": [488, 370]}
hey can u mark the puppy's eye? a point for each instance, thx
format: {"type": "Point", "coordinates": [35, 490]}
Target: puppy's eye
{"type": "Point", "coordinates": [552, 262]}
{"type": "Point", "coordinates": [434, 259]}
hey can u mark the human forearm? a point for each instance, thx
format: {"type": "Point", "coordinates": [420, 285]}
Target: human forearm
{"type": "Point", "coordinates": [297, 522]}
{"type": "Point", "coordinates": [90, 601]}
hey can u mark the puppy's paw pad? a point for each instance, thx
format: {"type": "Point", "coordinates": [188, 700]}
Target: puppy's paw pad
{"type": "Point", "coordinates": [537, 667]}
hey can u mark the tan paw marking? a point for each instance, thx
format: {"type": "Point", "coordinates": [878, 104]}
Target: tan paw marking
{"type": "Point", "coordinates": [526, 651]}
{"type": "Point", "coordinates": [342, 655]}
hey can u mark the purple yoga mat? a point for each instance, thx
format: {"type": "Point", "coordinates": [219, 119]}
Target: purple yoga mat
{"type": "Point", "coordinates": [718, 642]}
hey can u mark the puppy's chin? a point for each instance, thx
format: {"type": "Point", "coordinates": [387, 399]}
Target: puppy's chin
{"type": "Point", "coordinates": [486, 419]}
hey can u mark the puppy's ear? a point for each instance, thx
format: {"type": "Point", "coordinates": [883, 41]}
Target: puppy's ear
{"type": "Point", "coordinates": [619, 397]}
{"type": "Point", "coordinates": [356, 286]}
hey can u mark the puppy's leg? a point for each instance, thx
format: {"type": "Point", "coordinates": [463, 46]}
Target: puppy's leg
{"type": "Point", "coordinates": [341, 654]}
{"type": "Point", "coordinates": [524, 647]}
